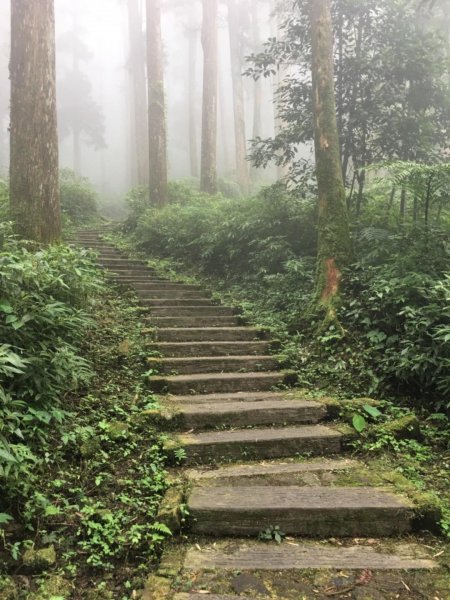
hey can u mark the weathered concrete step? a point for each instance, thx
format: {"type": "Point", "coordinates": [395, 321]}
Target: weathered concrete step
{"type": "Point", "coordinates": [193, 310]}
{"type": "Point", "coordinates": [215, 364]}
{"type": "Point", "coordinates": [131, 272]}
{"type": "Point", "coordinates": [274, 470]}
{"type": "Point", "coordinates": [206, 334]}
{"type": "Point", "coordinates": [306, 511]}
{"type": "Point", "coordinates": [193, 321]}
{"type": "Point", "coordinates": [244, 414]}
{"type": "Point", "coordinates": [173, 286]}
{"type": "Point", "coordinates": [227, 397]}
{"type": "Point", "coordinates": [169, 293]}
{"type": "Point", "coordinates": [121, 262]}
{"type": "Point", "coordinates": [211, 348]}
{"type": "Point", "coordinates": [252, 444]}
{"type": "Point", "coordinates": [248, 555]}
{"type": "Point", "coordinates": [145, 300]}
{"type": "Point", "coordinates": [207, 383]}
{"type": "Point", "coordinates": [199, 596]}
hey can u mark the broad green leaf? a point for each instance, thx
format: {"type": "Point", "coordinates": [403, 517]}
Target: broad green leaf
{"type": "Point", "coordinates": [372, 411]}
{"type": "Point", "coordinates": [359, 423]}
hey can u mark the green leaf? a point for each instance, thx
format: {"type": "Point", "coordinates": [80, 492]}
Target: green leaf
{"type": "Point", "coordinates": [4, 518]}
{"type": "Point", "coordinates": [372, 411]}
{"type": "Point", "coordinates": [359, 423]}
{"type": "Point", "coordinates": [6, 307]}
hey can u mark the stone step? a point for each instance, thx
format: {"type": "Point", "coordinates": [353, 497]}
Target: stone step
{"type": "Point", "coordinates": [193, 310]}
{"type": "Point", "coordinates": [170, 294]}
{"type": "Point", "coordinates": [206, 334]}
{"type": "Point", "coordinates": [228, 397]}
{"type": "Point", "coordinates": [257, 444]}
{"type": "Point", "coordinates": [249, 555]}
{"type": "Point", "coordinates": [192, 321]}
{"type": "Point", "coordinates": [158, 285]}
{"type": "Point", "coordinates": [215, 364]}
{"type": "Point", "coordinates": [304, 511]}
{"type": "Point", "coordinates": [173, 303]}
{"type": "Point", "coordinates": [276, 472]}
{"type": "Point", "coordinates": [211, 348]}
{"type": "Point", "coordinates": [245, 414]}
{"type": "Point", "coordinates": [200, 596]}
{"type": "Point", "coordinates": [131, 272]}
{"type": "Point", "coordinates": [206, 383]}
{"type": "Point", "coordinates": [121, 262]}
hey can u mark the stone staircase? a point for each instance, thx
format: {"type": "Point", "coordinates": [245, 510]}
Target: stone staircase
{"type": "Point", "coordinates": [257, 456]}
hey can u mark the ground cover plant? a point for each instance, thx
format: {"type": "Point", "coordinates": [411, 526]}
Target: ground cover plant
{"type": "Point", "coordinates": [81, 473]}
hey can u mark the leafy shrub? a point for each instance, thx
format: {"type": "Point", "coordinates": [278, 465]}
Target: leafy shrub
{"type": "Point", "coordinates": [78, 198]}
{"type": "Point", "coordinates": [42, 318]}
{"type": "Point", "coordinates": [399, 303]}
{"type": "Point", "coordinates": [4, 198]}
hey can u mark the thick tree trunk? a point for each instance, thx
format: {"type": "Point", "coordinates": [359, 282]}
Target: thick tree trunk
{"type": "Point", "coordinates": [76, 150]}
{"type": "Point", "coordinates": [334, 246]}
{"type": "Point", "coordinates": [192, 89]}
{"type": "Point", "coordinates": [257, 85]}
{"type": "Point", "coordinates": [236, 54]}
{"type": "Point", "coordinates": [139, 90]}
{"type": "Point", "coordinates": [156, 107]}
{"type": "Point", "coordinates": [208, 175]}
{"type": "Point", "coordinates": [34, 186]}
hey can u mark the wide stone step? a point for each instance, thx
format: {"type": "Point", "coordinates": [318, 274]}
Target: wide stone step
{"type": "Point", "coordinates": [146, 299]}
{"type": "Point", "coordinates": [227, 397]}
{"type": "Point", "coordinates": [249, 555]}
{"type": "Point", "coordinates": [197, 311]}
{"type": "Point", "coordinates": [252, 444]}
{"type": "Point", "coordinates": [206, 383]}
{"type": "Point", "coordinates": [214, 364]}
{"type": "Point", "coordinates": [131, 272]}
{"type": "Point", "coordinates": [120, 262]}
{"type": "Point", "coordinates": [174, 286]}
{"type": "Point", "coordinates": [206, 334]}
{"type": "Point", "coordinates": [211, 348]}
{"type": "Point", "coordinates": [193, 321]}
{"type": "Point", "coordinates": [243, 414]}
{"type": "Point", "coordinates": [305, 511]}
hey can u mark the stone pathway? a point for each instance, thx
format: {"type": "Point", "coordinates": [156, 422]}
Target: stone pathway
{"type": "Point", "coordinates": [257, 458]}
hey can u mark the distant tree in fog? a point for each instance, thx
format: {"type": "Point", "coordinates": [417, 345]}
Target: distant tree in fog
{"type": "Point", "coordinates": [79, 114]}
{"type": "Point", "coordinates": [237, 18]}
{"type": "Point", "coordinates": [34, 189]}
{"type": "Point", "coordinates": [208, 174]}
{"type": "Point", "coordinates": [156, 106]}
{"type": "Point", "coordinates": [137, 71]}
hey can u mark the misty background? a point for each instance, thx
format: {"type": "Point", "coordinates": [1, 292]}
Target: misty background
{"type": "Point", "coordinates": [95, 97]}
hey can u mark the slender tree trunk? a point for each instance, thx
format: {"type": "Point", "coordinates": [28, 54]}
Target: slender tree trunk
{"type": "Point", "coordinates": [139, 90]}
{"type": "Point", "coordinates": [208, 175]}
{"type": "Point", "coordinates": [279, 79]}
{"type": "Point", "coordinates": [257, 85]}
{"type": "Point", "coordinates": [224, 124]}
{"type": "Point", "coordinates": [236, 53]}
{"type": "Point", "coordinates": [192, 89]}
{"type": "Point", "coordinates": [402, 204]}
{"type": "Point", "coordinates": [34, 186]}
{"type": "Point", "coordinates": [76, 150]}
{"type": "Point", "coordinates": [334, 246]}
{"type": "Point", "coordinates": [156, 107]}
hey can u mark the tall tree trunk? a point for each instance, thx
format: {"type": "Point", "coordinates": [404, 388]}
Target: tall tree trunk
{"type": "Point", "coordinates": [278, 80]}
{"type": "Point", "coordinates": [156, 107]}
{"type": "Point", "coordinates": [76, 133]}
{"type": "Point", "coordinates": [224, 159]}
{"type": "Point", "coordinates": [236, 54]}
{"type": "Point", "coordinates": [257, 86]}
{"type": "Point", "coordinates": [192, 88]}
{"type": "Point", "coordinates": [34, 186]}
{"type": "Point", "coordinates": [208, 175]}
{"type": "Point", "coordinates": [334, 246]}
{"type": "Point", "coordinates": [139, 90]}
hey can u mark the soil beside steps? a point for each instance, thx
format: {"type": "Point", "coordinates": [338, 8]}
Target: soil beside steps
{"type": "Point", "coordinates": [223, 398]}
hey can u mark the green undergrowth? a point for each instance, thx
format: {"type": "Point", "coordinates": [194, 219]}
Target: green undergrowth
{"type": "Point", "coordinates": [81, 522]}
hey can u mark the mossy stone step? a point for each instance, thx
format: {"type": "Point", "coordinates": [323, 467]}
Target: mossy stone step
{"type": "Point", "coordinates": [193, 321]}
{"type": "Point", "coordinates": [245, 414]}
{"type": "Point", "coordinates": [207, 383]}
{"type": "Point", "coordinates": [226, 397]}
{"type": "Point", "coordinates": [248, 555]}
{"type": "Point", "coordinates": [146, 299]}
{"type": "Point", "coordinates": [258, 444]}
{"type": "Point", "coordinates": [193, 310]}
{"type": "Point", "coordinates": [214, 364]}
{"type": "Point", "coordinates": [304, 511]}
{"type": "Point", "coordinates": [206, 334]}
{"type": "Point", "coordinates": [178, 349]}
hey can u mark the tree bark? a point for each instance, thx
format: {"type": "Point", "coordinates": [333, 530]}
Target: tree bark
{"type": "Point", "coordinates": [334, 246]}
{"type": "Point", "coordinates": [257, 86]}
{"type": "Point", "coordinates": [156, 107]}
{"type": "Point", "coordinates": [192, 79]}
{"type": "Point", "coordinates": [236, 54]}
{"type": "Point", "coordinates": [208, 175]}
{"type": "Point", "coordinates": [139, 91]}
{"type": "Point", "coordinates": [34, 185]}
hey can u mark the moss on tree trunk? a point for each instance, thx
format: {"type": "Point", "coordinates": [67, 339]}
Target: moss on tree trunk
{"type": "Point", "coordinates": [34, 185]}
{"type": "Point", "coordinates": [334, 245]}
